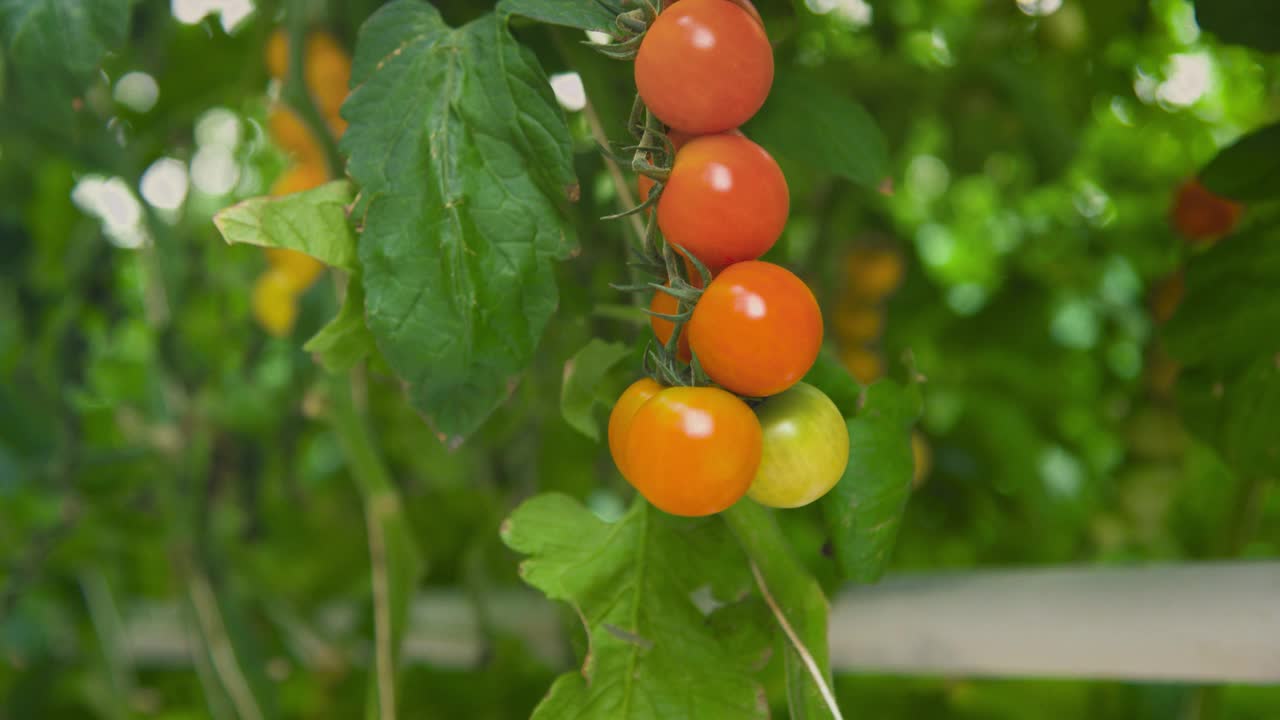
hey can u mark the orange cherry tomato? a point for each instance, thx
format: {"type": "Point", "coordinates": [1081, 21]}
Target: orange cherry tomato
{"type": "Point", "coordinates": [693, 451]}
{"type": "Point", "coordinates": [873, 272]}
{"type": "Point", "coordinates": [293, 135]}
{"type": "Point", "coordinates": [327, 72]}
{"type": "Point", "coordinates": [624, 411]}
{"type": "Point", "coordinates": [863, 364]}
{"type": "Point", "coordinates": [277, 54]}
{"type": "Point", "coordinates": [1201, 216]}
{"type": "Point", "coordinates": [858, 323]}
{"type": "Point", "coordinates": [756, 329]}
{"type": "Point", "coordinates": [298, 178]}
{"type": "Point", "coordinates": [704, 66]}
{"type": "Point", "coordinates": [678, 139]}
{"type": "Point", "coordinates": [726, 200]}
{"type": "Point", "coordinates": [301, 269]}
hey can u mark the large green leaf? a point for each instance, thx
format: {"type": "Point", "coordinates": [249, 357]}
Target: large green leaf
{"type": "Point", "coordinates": [1231, 294]}
{"type": "Point", "coordinates": [54, 47]}
{"type": "Point", "coordinates": [312, 222]}
{"type": "Point", "coordinates": [652, 652]}
{"type": "Point", "coordinates": [808, 121]}
{"type": "Point", "coordinates": [865, 508]}
{"type": "Point", "coordinates": [1243, 22]}
{"type": "Point", "coordinates": [582, 375]}
{"type": "Point", "coordinates": [1248, 170]}
{"type": "Point", "coordinates": [464, 163]}
{"type": "Point", "coordinates": [581, 14]}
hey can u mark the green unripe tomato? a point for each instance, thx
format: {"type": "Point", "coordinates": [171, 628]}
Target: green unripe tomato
{"type": "Point", "coordinates": [805, 449]}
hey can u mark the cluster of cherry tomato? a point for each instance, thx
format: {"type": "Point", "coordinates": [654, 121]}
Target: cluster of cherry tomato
{"type": "Point", "coordinates": [872, 273]}
{"type": "Point", "coordinates": [327, 72]}
{"type": "Point", "coordinates": [703, 68]}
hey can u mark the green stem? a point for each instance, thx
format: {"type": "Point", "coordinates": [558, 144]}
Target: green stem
{"type": "Point", "coordinates": [370, 473]}
{"type": "Point", "coordinates": [295, 92]}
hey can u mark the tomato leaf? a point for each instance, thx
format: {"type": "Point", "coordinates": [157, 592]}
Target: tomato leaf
{"type": "Point", "coordinates": [808, 121]}
{"type": "Point", "coordinates": [54, 48]}
{"type": "Point", "coordinates": [830, 376]}
{"type": "Point", "coordinates": [1231, 292]}
{"type": "Point", "coordinates": [582, 374]}
{"type": "Point", "coordinates": [865, 508]}
{"type": "Point", "coordinates": [345, 341]}
{"type": "Point", "coordinates": [1249, 169]}
{"type": "Point", "coordinates": [464, 163]}
{"type": "Point", "coordinates": [581, 14]}
{"type": "Point", "coordinates": [1242, 22]}
{"type": "Point", "coordinates": [652, 652]}
{"type": "Point", "coordinates": [312, 222]}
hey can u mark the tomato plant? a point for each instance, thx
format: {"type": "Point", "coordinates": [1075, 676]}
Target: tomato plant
{"type": "Point", "coordinates": [1200, 215]}
{"type": "Point", "coordinates": [757, 329]}
{"type": "Point", "coordinates": [692, 451]}
{"type": "Point", "coordinates": [705, 66]}
{"type": "Point", "coordinates": [805, 448]}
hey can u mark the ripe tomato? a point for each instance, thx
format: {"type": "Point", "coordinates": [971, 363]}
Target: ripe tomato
{"type": "Point", "coordinates": [275, 302]}
{"type": "Point", "coordinates": [704, 66]}
{"type": "Point", "coordinates": [624, 411]}
{"type": "Point", "coordinates": [277, 54]}
{"type": "Point", "coordinates": [757, 329]}
{"type": "Point", "coordinates": [292, 134]}
{"type": "Point", "coordinates": [726, 200]}
{"type": "Point", "coordinates": [692, 451]}
{"type": "Point", "coordinates": [1200, 215]}
{"type": "Point", "coordinates": [306, 176]}
{"type": "Point", "coordinates": [805, 449]}
{"type": "Point", "coordinates": [327, 72]}
{"type": "Point", "coordinates": [873, 272]}
{"type": "Point", "coordinates": [678, 140]}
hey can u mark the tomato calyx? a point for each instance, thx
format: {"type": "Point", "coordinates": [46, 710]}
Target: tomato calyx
{"type": "Point", "coordinates": [631, 25]}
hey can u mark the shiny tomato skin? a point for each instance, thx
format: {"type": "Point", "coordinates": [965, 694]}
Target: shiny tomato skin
{"type": "Point", "coordinates": [693, 451]}
{"type": "Point", "coordinates": [744, 4]}
{"type": "Point", "coordinates": [1200, 215]}
{"type": "Point", "coordinates": [757, 329]}
{"type": "Point", "coordinates": [805, 449]}
{"type": "Point", "coordinates": [726, 200]}
{"type": "Point", "coordinates": [624, 411]}
{"type": "Point", "coordinates": [704, 66]}
{"type": "Point", "coordinates": [678, 139]}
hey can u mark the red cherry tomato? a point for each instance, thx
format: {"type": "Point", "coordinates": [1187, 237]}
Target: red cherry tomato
{"type": "Point", "coordinates": [744, 4]}
{"type": "Point", "coordinates": [1202, 216]}
{"type": "Point", "coordinates": [678, 140]}
{"type": "Point", "coordinates": [726, 200]}
{"type": "Point", "coordinates": [757, 329]}
{"type": "Point", "coordinates": [693, 451]}
{"type": "Point", "coordinates": [704, 66]}
{"type": "Point", "coordinates": [624, 411]}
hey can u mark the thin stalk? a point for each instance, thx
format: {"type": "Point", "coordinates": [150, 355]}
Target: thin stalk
{"type": "Point", "coordinates": [295, 93]}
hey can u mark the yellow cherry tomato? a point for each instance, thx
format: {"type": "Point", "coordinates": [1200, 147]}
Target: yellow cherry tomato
{"type": "Point", "coordinates": [275, 302]}
{"type": "Point", "coordinates": [299, 178]}
{"type": "Point", "coordinates": [873, 272]}
{"type": "Point", "coordinates": [301, 269]}
{"type": "Point", "coordinates": [863, 364]}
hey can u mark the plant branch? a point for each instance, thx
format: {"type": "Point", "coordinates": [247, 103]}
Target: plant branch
{"type": "Point", "coordinates": [625, 199]}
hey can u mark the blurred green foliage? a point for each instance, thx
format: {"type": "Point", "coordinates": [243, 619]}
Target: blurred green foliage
{"type": "Point", "coordinates": [157, 447]}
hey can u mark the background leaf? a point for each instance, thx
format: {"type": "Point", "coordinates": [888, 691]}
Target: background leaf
{"type": "Point", "coordinates": [1249, 169]}
{"type": "Point", "coordinates": [1243, 22]}
{"type": "Point", "coordinates": [651, 652]}
{"type": "Point", "coordinates": [583, 374]}
{"type": "Point", "coordinates": [1230, 292]}
{"type": "Point", "coordinates": [581, 14]}
{"type": "Point", "coordinates": [806, 120]}
{"type": "Point", "coordinates": [833, 379]}
{"type": "Point", "coordinates": [54, 47]}
{"type": "Point", "coordinates": [864, 510]}
{"type": "Point", "coordinates": [463, 159]}
{"type": "Point", "coordinates": [312, 222]}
